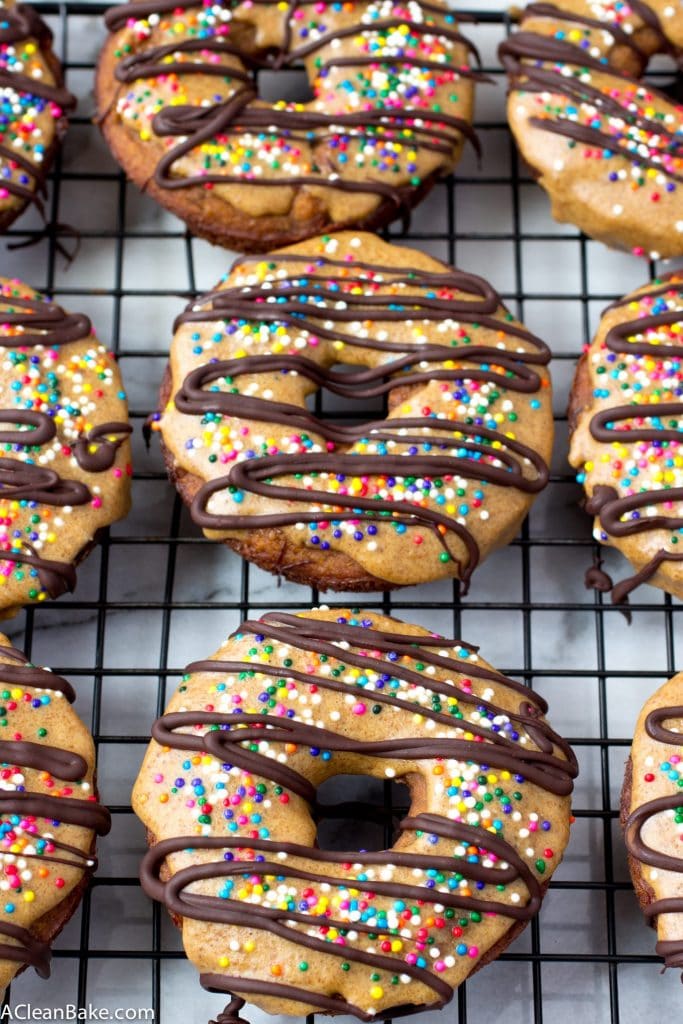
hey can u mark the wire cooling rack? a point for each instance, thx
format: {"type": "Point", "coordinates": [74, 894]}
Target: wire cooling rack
{"type": "Point", "coordinates": [156, 595]}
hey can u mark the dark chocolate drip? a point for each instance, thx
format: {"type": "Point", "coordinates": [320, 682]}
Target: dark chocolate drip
{"type": "Point", "coordinates": [655, 728]}
{"type": "Point", "coordinates": [26, 949]}
{"type": "Point", "coordinates": [595, 578]}
{"type": "Point", "coordinates": [56, 578]}
{"type": "Point", "coordinates": [35, 483]}
{"type": "Point", "coordinates": [105, 439]}
{"type": "Point", "coordinates": [56, 327]}
{"type": "Point", "coordinates": [231, 1013]}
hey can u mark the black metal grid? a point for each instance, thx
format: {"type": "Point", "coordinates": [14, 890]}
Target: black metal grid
{"type": "Point", "coordinates": [97, 607]}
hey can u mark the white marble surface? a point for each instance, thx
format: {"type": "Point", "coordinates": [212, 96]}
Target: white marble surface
{"type": "Point", "coordinates": [158, 263]}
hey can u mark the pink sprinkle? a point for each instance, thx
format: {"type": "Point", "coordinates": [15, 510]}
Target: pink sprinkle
{"type": "Point", "coordinates": [359, 709]}
{"type": "Point", "coordinates": [439, 966]}
{"type": "Point", "coordinates": [158, 778]}
{"type": "Point", "coordinates": [473, 951]}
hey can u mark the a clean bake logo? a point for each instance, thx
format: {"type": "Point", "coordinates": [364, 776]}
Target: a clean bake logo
{"type": "Point", "coordinates": [28, 1012]}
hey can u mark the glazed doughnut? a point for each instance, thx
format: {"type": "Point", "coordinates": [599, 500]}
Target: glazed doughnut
{"type": "Point", "coordinates": [626, 423]}
{"type": "Point", "coordinates": [49, 813]}
{"type": "Point", "coordinates": [33, 108]}
{"type": "Point", "coordinates": [652, 820]}
{"type": "Point", "coordinates": [391, 106]}
{"type": "Point", "coordinates": [227, 792]}
{"type": "Point", "coordinates": [422, 495]}
{"type": "Point", "coordinates": [606, 146]}
{"type": "Point", "coordinates": [65, 452]}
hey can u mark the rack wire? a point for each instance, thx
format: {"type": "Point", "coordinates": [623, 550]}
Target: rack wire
{"type": "Point", "coordinates": [156, 593]}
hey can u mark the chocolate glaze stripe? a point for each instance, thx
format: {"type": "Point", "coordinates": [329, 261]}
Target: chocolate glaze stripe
{"type": "Point", "coordinates": [527, 716]}
{"type": "Point", "coordinates": [542, 769]}
{"type": "Point", "coordinates": [618, 338]}
{"type": "Point", "coordinates": [267, 305]}
{"type": "Point", "coordinates": [219, 910]}
{"type": "Point", "coordinates": [601, 431]}
{"type": "Point", "coordinates": [256, 476]}
{"type": "Point", "coordinates": [611, 508]}
{"type": "Point", "coordinates": [35, 483]}
{"type": "Point", "coordinates": [655, 728]}
{"type": "Point", "coordinates": [56, 578]}
{"type": "Point", "coordinates": [65, 810]}
{"type": "Point", "coordinates": [44, 428]}
{"type": "Point", "coordinates": [193, 400]}
{"type": "Point", "coordinates": [27, 674]}
{"type": "Point", "coordinates": [64, 764]}
{"type": "Point", "coordinates": [332, 1005]}
{"type": "Point", "coordinates": [668, 284]}
{"type": "Point", "coordinates": [671, 950]}
{"type": "Point", "coordinates": [56, 326]}
{"type": "Point", "coordinates": [26, 948]}
{"type": "Point", "coordinates": [198, 124]}
{"type": "Point", "coordinates": [655, 858]}
{"type": "Point", "coordinates": [149, 63]}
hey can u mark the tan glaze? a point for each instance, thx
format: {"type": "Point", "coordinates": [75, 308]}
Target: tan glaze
{"type": "Point", "coordinates": [575, 70]}
{"type": "Point", "coordinates": [376, 317]}
{"type": "Point", "coordinates": [164, 147]}
{"type": "Point", "coordinates": [252, 945]}
{"type": "Point", "coordinates": [648, 810]}
{"type": "Point", "coordinates": [49, 780]}
{"type": "Point", "coordinates": [75, 473]}
{"type": "Point", "coordinates": [639, 335]}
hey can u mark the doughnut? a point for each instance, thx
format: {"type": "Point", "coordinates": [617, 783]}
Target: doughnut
{"type": "Point", "coordinates": [33, 109]}
{"type": "Point", "coordinates": [391, 95]}
{"type": "Point", "coordinates": [604, 144]}
{"type": "Point", "coordinates": [49, 814]}
{"type": "Point", "coordinates": [628, 459]}
{"type": "Point", "coordinates": [652, 819]}
{"type": "Point", "coordinates": [421, 495]}
{"type": "Point", "coordinates": [268, 916]}
{"type": "Point", "coordinates": [64, 449]}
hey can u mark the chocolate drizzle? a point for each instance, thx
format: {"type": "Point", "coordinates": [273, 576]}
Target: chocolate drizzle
{"type": "Point", "coordinates": [96, 451]}
{"type": "Point", "coordinates": [19, 24]}
{"type": "Point", "coordinates": [473, 452]}
{"type": "Point", "coordinates": [537, 63]}
{"type": "Point", "coordinates": [620, 516]}
{"type": "Point", "coordinates": [672, 950]}
{"type": "Point", "coordinates": [42, 323]}
{"type": "Point", "coordinates": [23, 947]}
{"type": "Point", "coordinates": [233, 738]}
{"type": "Point", "coordinates": [239, 114]}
